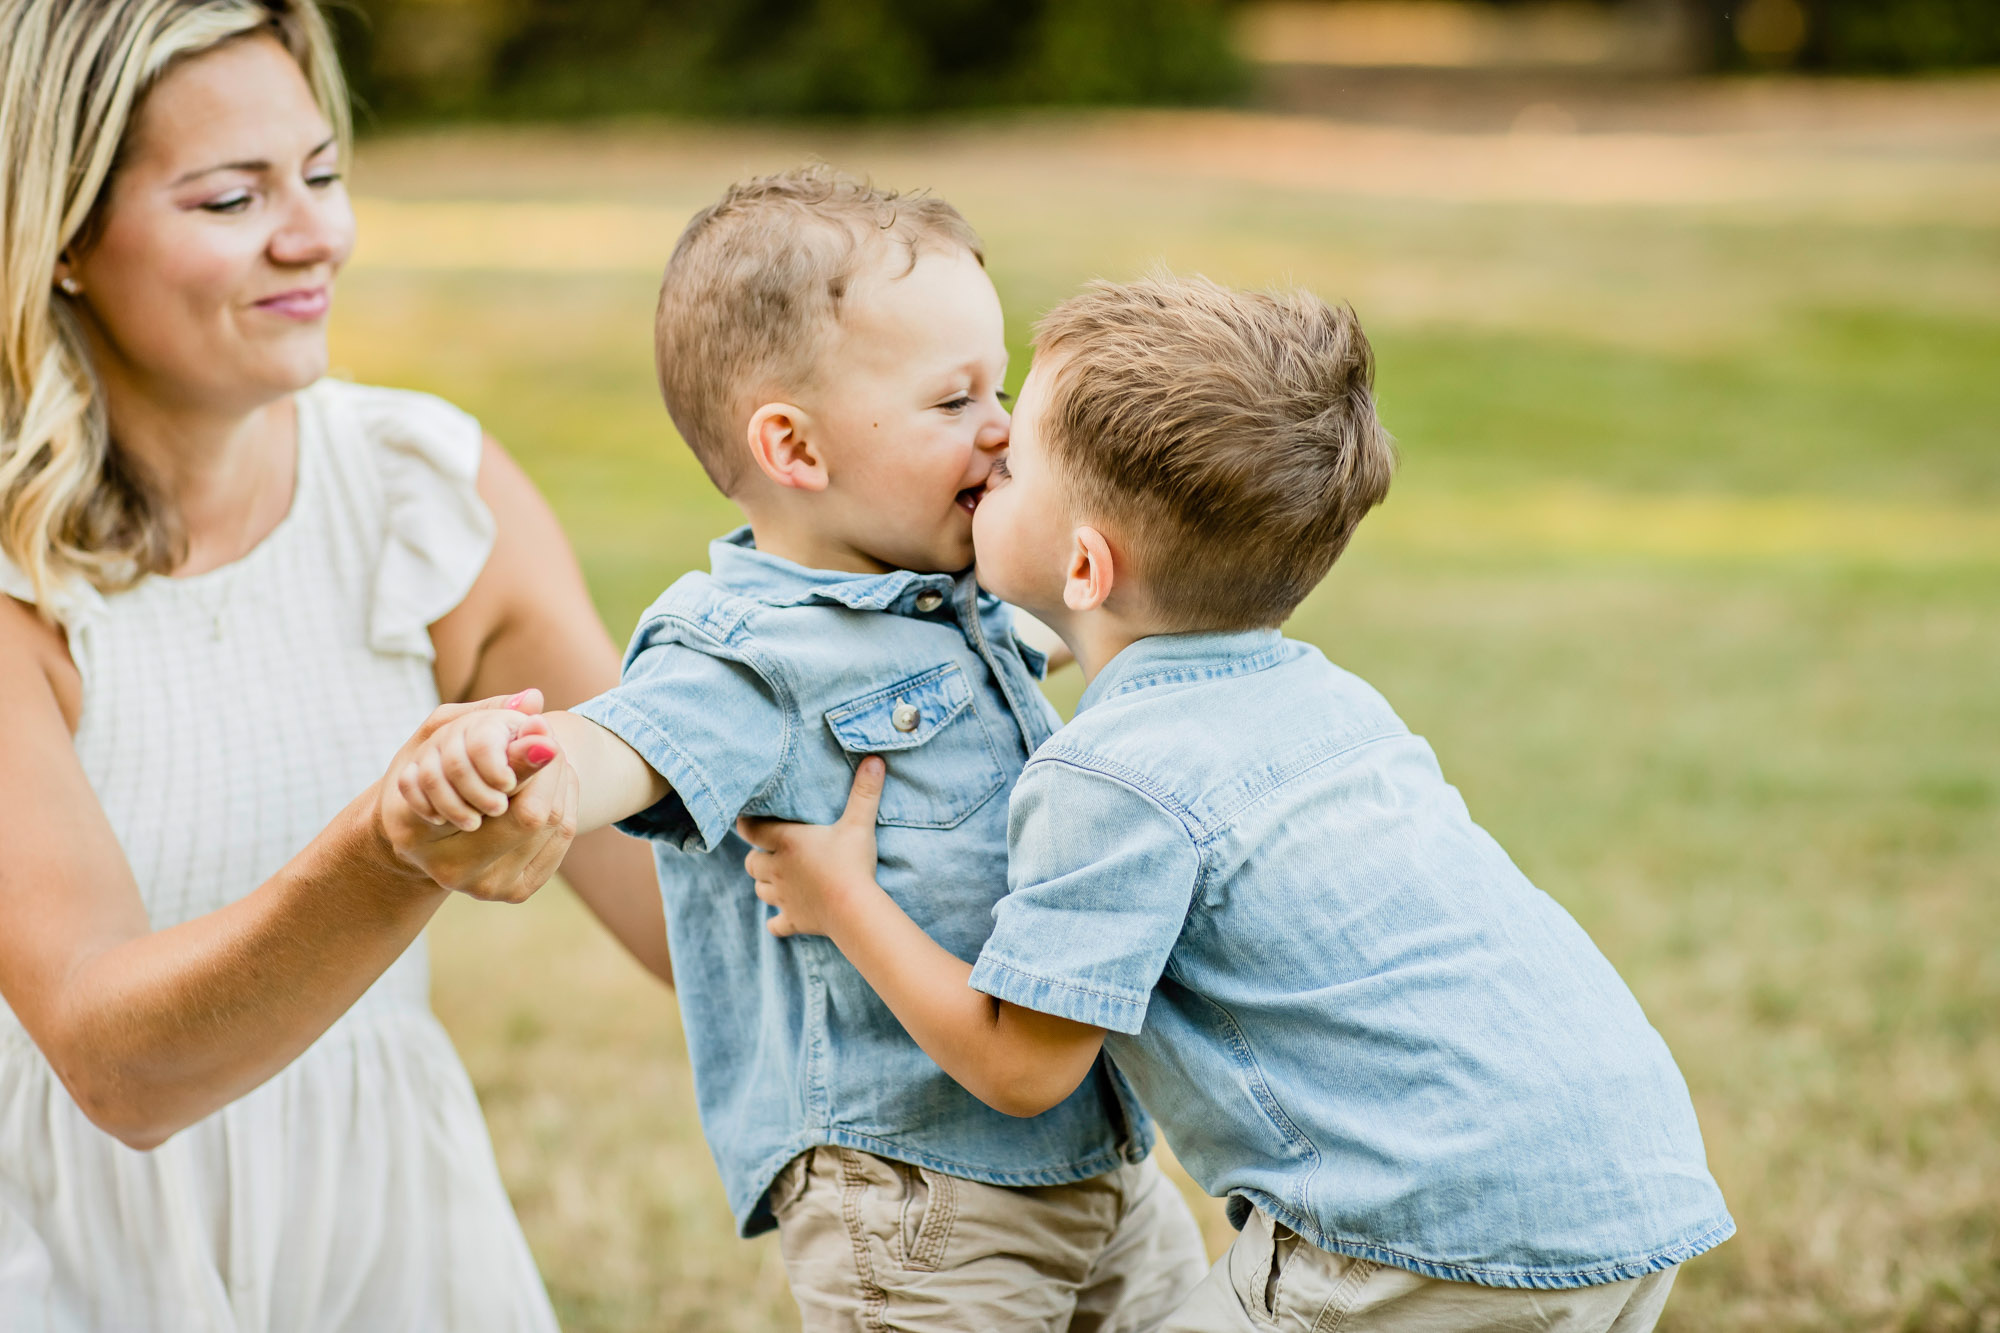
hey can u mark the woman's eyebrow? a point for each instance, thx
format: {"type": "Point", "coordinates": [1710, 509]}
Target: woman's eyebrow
{"type": "Point", "coordinates": [249, 164]}
{"type": "Point", "coordinates": [253, 165]}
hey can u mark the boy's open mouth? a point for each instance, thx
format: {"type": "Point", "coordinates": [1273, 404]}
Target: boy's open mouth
{"type": "Point", "coordinates": [968, 499]}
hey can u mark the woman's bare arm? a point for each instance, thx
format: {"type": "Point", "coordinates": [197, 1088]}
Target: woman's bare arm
{"type": "Point", "coordinates": [529, 621]}
{"type": "Point", "coordinates": [153, 1030]}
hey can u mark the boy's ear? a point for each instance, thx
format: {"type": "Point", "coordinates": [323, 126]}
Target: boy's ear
{"type": "Point", "coordinates": [781, 442]}
{"type": "Point", "coordinates": [1091, 570]}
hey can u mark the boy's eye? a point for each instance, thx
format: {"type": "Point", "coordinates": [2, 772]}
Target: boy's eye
{"type": "Point", "coordinates": [958, 404]}
{"type": "Point", "coordinates": [1001, 470]}
{"type": "Point", "coordinates": [1004, 397]}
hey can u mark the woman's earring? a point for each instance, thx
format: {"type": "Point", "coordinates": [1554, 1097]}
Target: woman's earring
{"type": "Point", "coordinates": [71, 287]}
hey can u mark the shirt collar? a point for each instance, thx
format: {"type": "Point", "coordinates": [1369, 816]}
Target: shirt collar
{"type": "Point", "coordinates": [738, 565]}
{"type": "Point", "coordinates": [1162, 659]}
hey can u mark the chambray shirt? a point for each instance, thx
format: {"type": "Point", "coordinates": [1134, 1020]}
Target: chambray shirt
{"type": "Point", "coordinates": [1341, 999]}
{"type": "Point", "coordinates": [756, 689]}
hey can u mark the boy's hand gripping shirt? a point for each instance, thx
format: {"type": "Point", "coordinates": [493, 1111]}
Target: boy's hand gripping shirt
{"type": "Point", "coordinates": [756, 689]}
{"type": "Point", "coordinates": [1341, 999]}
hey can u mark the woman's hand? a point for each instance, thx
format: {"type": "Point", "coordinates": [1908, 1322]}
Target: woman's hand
{"type": "Point", "coordinates": [812, 873]}
{"type": "Point", "coordinates": [482, 799]}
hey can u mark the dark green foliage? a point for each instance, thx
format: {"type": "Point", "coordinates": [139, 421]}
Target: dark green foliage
{"type": "Point", "coordinates": [1871, 36]}
{"type": "Point", "coordinates": [1904, 34]}
{"type": "Point", "coordinates": [535, 58]}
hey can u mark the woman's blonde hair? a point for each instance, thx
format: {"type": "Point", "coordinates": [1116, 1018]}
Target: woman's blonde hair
{"type": "Point", "coordinates": [72, 76]}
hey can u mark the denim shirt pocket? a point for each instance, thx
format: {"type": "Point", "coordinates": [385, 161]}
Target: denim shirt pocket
{"type": "Point", "coordinates": [942, 760]}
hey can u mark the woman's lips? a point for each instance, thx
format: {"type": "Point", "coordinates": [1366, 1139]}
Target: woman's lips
{"type": "Point", "coordinates": [305, 303]}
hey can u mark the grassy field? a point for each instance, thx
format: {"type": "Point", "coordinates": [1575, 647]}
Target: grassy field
{"type": "Point", "coordinates": [1692, 576]}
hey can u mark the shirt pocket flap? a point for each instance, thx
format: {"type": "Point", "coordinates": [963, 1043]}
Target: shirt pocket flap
{"type": "Point", "coordinates": [901, 716]}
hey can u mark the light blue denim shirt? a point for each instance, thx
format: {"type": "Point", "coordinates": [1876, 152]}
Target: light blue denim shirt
{"type": "Point", "coordinates": [756, 689]}
{"type": "Point", "coordinates": [1341, 999]}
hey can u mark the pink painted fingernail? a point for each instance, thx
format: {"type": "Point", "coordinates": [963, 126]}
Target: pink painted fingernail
{"type": "Point", "coordinates": [540, 754]}
{"type": "Point", "coordinates": [516, 701]}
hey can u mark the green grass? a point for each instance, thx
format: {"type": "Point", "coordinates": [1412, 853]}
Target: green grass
{"type": "Point", "coordinates": [1769, 788]}
{"type": "Point", "coordinates": [1856, 401]}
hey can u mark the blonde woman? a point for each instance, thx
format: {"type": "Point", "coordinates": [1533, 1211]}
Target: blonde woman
{"type": "Point", "coordinates": [232, 588]}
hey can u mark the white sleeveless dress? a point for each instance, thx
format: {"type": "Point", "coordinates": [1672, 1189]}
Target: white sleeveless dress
{"type": "Point", "coordinates": [226, 719]}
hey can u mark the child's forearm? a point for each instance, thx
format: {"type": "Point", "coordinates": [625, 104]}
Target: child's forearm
{"type": "Point", "coordinates": [613, 781]}
{"type": "Point", "coordinates": [1015, 1060]}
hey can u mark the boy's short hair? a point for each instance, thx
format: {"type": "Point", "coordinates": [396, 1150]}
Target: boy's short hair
{"type": "Point", "coordinates": [755, 287]}
{"type": "Point", "coordinates": [1231, 437]}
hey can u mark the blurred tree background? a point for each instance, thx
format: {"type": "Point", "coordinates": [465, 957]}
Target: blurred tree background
{"type": "Point", "coordinates": [558, 58]}
{"type": "Point", "coordinates": [543, 59]}
{"type": "Point", "coordinates": [1856, 36]}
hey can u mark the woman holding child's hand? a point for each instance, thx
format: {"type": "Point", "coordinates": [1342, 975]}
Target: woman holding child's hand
{"type": "Point", "coordinates": [529, 797]}
{"type": "Point", "coordinates": [232, 589]}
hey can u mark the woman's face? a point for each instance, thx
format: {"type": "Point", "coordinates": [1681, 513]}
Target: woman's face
{"type": "Point", "coordinates": [208, 282]}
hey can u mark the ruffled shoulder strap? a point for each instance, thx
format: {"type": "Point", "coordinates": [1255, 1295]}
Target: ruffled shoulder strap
{"type": "Point", "coordinates": [69, 603]}
{"type": "Point", "coordinates": [16, 584]}
{"type": "Point", "coordinates": [437, 531]}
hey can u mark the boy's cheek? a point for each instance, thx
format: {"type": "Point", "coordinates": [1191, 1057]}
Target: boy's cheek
{"type": "Point", "coordinates": [992, 553]}
{"type": "Point", "coordinates": [985, 538]}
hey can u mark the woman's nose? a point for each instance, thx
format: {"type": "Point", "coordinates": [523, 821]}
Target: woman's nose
{"type": "Point", "coordinates": [317, 228]}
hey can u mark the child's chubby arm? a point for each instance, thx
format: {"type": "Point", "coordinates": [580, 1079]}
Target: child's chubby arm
{"type": "Point", "coordinates": [474, 766]}
{"type": "Point", "coordinates": [821, 878]}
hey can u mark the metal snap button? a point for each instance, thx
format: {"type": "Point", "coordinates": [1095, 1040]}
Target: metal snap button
{"type": "Point", "coordinates": [929, 601]}
{"type": "Point", "coordinates": [905, 717]}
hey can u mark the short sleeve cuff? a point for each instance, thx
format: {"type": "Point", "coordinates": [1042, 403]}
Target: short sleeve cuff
{"type": "Point", "coordinates": [1033, 658]}
{"type": "Point", "coordinates": [689, 816]}
{"type": "Point", "coordinates": [1065, 999]}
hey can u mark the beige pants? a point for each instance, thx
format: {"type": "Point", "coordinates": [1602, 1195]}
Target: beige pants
{"type": "Point", "coordinates": [871, 1244]}
{"type": "Point", "coordinates": [1272, 1280]}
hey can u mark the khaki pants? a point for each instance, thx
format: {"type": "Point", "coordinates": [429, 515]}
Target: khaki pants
{"type": "Point", "coordinates": [871, 1244]}
{"type": "Point", "coordinates": [1272, 1280]}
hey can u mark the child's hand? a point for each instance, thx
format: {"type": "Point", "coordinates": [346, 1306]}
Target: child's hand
{"type": "Point", "coordinates": [469, 767]}
{"type": "Point", "coordinates": [498, 855]}
{"type": "Point", "coordinates": [809, 871]}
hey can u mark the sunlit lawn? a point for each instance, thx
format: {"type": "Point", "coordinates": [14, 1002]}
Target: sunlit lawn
{"type": "Point", "coordinates": [1692, 577]}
